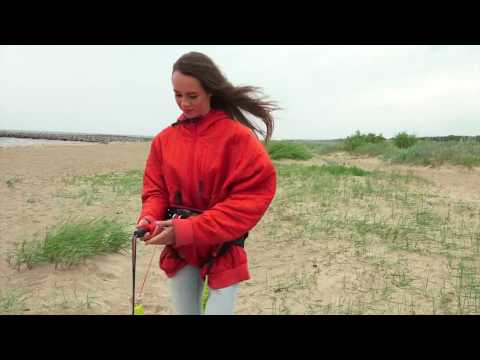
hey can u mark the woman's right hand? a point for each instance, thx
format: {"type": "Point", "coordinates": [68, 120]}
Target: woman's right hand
{"type": "Point", "coordinates": [152, 228]}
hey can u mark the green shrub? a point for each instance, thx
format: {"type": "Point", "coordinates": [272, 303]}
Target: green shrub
{"type": "Point", "coordinates": [351, 143]}
{"type": "Point", "coordinates": [403, 140]}
{"type": "Point", "coordinates": [288, 150]}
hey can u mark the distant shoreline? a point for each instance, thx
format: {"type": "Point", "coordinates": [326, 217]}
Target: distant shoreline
{"type": "Point", "coordinates": [106, 138]}
{"type": "Point", "coordinates": [65, 136]}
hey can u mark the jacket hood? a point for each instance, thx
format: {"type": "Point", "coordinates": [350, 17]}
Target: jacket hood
{"type": "Point", "coordinates": [203, 122]}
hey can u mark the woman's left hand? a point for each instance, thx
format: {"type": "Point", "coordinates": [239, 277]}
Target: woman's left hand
{"type": "Point", "coordinates": [166, 237]}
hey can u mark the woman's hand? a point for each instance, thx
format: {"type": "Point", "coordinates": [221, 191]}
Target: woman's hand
{"type": "Point", "coordinates": [166, 235]}
{"type": "Point", "coordinates": [150, 225]}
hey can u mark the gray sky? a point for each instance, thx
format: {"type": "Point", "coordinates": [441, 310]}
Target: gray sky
{"type": "Point", "coordinates": [326, 91]}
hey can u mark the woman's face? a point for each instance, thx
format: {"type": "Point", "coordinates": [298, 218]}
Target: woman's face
{"type": "Point", "coordinates": [191, 97]}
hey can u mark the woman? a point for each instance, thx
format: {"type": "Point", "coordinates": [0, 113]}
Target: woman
{"type": "Point", "coordinates": [208, 181]}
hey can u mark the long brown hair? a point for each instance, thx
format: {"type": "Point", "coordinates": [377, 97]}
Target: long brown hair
{"type": "Point", "coordinates": [227, 97]}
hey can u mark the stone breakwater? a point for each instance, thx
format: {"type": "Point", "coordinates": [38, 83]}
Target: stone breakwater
{"type": "Point", "coordinates": [48, 135]}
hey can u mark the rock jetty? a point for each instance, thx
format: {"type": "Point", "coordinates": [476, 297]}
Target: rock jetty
{"type": "Point", "coordinates": [49, 135]}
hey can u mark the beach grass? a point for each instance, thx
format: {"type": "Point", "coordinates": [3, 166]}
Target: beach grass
{"type": "Point", "coordinates": [12, 301]}
{"type": "Point", "coordinates": [69, 243]}
{"type": "Point", "coordinates": [395, 245]}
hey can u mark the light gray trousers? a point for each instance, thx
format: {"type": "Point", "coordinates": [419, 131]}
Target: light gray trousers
{"type": "Point", "coordinates": [186, 288]}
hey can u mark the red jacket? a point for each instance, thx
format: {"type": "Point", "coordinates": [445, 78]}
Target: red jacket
{"type": "Point", "coordinates": [218, 166]}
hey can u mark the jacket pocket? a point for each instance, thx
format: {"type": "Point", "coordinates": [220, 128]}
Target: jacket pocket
{"type": "Point", "coordinates": [170, 262]}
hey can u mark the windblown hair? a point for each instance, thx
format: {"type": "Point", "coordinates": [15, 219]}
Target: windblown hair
{"type": "Point", "coordinates": [226, 96]}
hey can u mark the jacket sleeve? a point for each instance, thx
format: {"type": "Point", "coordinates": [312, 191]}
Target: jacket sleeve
{"type": "Point", "coordinates": [250, 185]}
{"type": "Point", "coordinates": [154, 192]}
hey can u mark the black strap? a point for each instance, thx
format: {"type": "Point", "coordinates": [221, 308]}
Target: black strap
{"type": "Point", "coordinates": [185, 213]}
{"type": "Point", "coordinates": [224, 248]}
{"type": "Point", "coordinates": [240, 242]}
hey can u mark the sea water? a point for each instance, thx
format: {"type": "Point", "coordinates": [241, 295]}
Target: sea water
{"type": "Point", "coordinates": [11, 141]}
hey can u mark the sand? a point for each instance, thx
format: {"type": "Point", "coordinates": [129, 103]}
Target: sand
{"type": "Point", "coordinates": [32, 203]}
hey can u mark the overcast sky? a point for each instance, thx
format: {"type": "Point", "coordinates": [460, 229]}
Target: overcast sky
{"type": "Point", "coordinates": [326, 91]}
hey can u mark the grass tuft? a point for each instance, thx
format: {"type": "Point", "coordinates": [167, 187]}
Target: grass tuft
{"type": "Point", "coordinates": [11, 301]}
{"type": "Point", "coordinates": [70, 243]}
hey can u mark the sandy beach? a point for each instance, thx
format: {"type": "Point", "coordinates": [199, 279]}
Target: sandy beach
{"type": "Point", "coordinates": [35, 203]}
{"type": "Point", "coordinates": [35, 195]}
